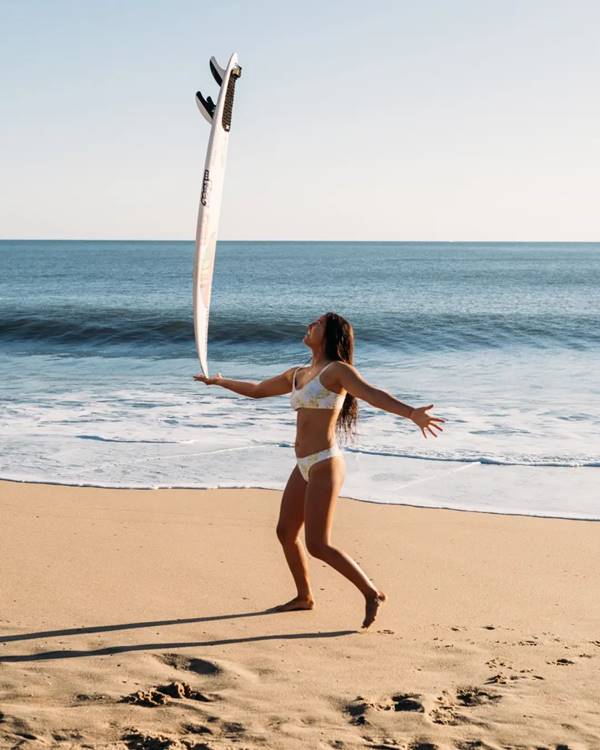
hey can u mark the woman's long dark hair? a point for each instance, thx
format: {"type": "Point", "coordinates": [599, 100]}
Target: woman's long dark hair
{"type": "Point", "coordinates": [339, 347]}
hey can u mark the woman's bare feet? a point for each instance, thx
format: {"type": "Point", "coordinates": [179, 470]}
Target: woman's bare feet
{"type": "Point", "coordinates": [372, 604]}
{"type": "Point", "coordinates": [298, 602]}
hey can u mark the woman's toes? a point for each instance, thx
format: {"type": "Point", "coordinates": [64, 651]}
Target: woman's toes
{"type": "Point", "coordinates": [372, 604]}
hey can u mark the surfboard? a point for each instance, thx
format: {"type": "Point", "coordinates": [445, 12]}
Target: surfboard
{"type": "Point", "coordinates": [219, 118]}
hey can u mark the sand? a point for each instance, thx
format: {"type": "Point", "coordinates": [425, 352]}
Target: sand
{"type": "Point", "coordinates": [136, 619]}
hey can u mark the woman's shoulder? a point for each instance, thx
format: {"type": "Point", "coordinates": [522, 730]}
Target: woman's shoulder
{"type": "Point", "coordinates": [292, 373]}
{"type": "Point", "coordinates": [337, 366]}
{"type": "Point", "coordinates": [333, 373]}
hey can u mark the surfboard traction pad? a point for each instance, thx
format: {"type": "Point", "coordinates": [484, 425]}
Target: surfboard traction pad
{"type": "Point", "coordinates": [228, 106]}
{"type": "Point", "coordinates": [209, 106]}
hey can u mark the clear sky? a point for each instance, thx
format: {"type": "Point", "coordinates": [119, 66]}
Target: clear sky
{"type": "Point", "coordinates": [391, 120]}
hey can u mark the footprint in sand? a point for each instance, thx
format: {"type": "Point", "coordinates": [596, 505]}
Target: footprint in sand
{"type": "Point", "coordinates": [497, 679]}
{"type": "Point", "coordinates": [26, 735]}
{"type": "Point", "coordinates": [18, 727]}
{"type": "Point", "coordinates": [88, 697]}
{"type": "Point", "coordinates": [385, 743]}
{"type": "Point", "coordinates": [67, 735]}
{"type": "Point", "coordinates": [158, 696]}
{"type": "Point", "coordinates": [149, 698]}
{"type": "Point", "coordinates": [474, 696]}
{"type": "Point", "coordinates": [197, 728]}
{"type": "Point", "coordinates": [392, 744]}
{"type": "Point", "coordinates": [448, 709]}
{"type": "Point", "coordinates": [183, 690]}
{"type": "Point", "coordinates": [189, 664]}
{"type": "Point", "coordinates": [501, 678]}
{"type": "Point", "coordinates": [228, 730]}
{"type": "Point", "coordinates": [136, 740]}
{"type": "Point", "coordinates": [222, 673]}
{"type": "Point", "coordinates": [360, 706]}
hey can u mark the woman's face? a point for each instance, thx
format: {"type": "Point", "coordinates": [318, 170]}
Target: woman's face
{"type": "Point", "coordinates": [315, 333]}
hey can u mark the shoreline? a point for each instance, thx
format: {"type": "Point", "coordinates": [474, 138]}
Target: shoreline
{"type": "Point", "coordinates": [192, 488]}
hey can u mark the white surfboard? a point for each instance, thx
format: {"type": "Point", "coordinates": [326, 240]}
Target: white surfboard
{"type": "Point", "coordinates": [219, 117]}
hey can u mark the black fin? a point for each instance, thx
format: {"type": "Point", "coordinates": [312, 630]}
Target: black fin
{"type": "Point", "coordinates": [207, 103]}
{"type": "Point", "coordinates": [216, 70]}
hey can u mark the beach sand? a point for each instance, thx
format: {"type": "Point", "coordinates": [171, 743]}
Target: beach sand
{"type": "Point", "coordinates": [490, 637]}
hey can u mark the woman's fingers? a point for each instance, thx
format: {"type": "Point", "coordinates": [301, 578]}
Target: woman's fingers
{"type": "Point", "coordinates": [428, 424]}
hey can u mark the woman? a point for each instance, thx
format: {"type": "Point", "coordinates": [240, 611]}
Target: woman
{"type": "Point", "coordinates": [324, 395]}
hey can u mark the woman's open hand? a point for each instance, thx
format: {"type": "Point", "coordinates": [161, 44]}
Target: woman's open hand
{"type": "Point", "coordinates": [209, 381]}
{"type": "Point", "coordinates": [426, 422]}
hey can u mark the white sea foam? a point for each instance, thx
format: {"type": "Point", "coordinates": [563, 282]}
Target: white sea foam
{"type": "Point", "coordinates": [507, 446]}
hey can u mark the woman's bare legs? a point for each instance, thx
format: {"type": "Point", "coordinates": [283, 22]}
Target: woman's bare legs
{"type": "Point", "coordinates": [291, 519]}
{"type": "Point", "coordinates": [324, 483]}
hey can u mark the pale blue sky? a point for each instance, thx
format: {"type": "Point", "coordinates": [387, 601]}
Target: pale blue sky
{"type": "Point", "coordinates": [457, 120]}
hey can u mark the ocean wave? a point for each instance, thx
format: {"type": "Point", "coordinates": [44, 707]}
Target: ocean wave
{"type": "Point", "coordinates": [542, 461]}
{"type": "Point", "coordinates": [102, 439]}
{"type": "Point", "coordinates": [517, 460]}
{"type": "Point", "coordinates": [418, 332]}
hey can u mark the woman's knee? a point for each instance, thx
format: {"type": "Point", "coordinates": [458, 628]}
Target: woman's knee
{"type": "Point", "coordinates": [318, 548]}
{"type": "Point", "coordinates": [286, 534]}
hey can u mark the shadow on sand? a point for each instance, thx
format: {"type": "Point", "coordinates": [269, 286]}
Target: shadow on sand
{"type": "Point", "coordinates": [109, 650]}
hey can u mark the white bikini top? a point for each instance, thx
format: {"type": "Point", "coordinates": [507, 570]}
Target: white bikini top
{"type": "Point", "coordinates": [314, 395]}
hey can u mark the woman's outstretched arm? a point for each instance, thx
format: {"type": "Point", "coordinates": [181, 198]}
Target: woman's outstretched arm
{"type": "Point", "coordinates": [350, 379]}
{"type": "Point", "coordinates": [276, 386]}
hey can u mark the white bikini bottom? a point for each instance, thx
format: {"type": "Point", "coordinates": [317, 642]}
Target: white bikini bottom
{"type": "Point", "coordinates": [306, 463]}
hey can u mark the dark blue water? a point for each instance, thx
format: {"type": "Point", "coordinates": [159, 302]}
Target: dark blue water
{"type": "Point", "coordinates": [116, 298]}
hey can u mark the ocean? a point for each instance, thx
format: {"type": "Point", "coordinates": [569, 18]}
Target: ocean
{"type": "Point", "coordinates": [97, 356]}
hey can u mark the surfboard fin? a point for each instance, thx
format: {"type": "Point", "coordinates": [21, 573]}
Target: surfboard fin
{"type": "Point", "coordinates": [206, 106]}
{"type": "Point", "coordinates": [217, 71]}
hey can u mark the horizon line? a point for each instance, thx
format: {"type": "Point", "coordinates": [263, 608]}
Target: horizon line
{"type": "Point", "coordinates": [396, 241]}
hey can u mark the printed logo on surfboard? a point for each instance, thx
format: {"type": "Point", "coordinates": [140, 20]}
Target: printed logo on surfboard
{"type": "Point", "coordinates": [205, 186]}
